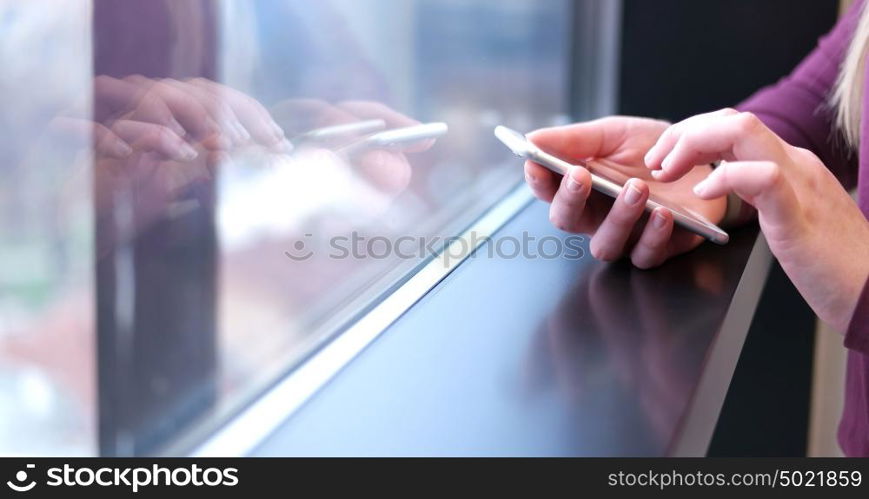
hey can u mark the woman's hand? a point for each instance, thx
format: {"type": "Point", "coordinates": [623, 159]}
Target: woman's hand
{"type": "Point", "coordinates": [167, 113]}
{"type": "Point", "coordinates": [812, 225]}
{"type": "Point", "coordinates": [619, 228]}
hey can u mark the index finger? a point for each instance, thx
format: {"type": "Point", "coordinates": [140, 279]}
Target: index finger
{"type": "Point", "coordinates": [706, 138]}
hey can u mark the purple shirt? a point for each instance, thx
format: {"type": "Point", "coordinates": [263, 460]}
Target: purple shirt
{"type": "Point", "coordinates": [797, 109]}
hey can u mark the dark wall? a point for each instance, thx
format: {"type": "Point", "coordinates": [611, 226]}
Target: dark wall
{"type": "Point", "coordinates": [683, 57]}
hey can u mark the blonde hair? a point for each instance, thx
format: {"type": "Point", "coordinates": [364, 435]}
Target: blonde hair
{"type": "Point", "coordinates": [847, 96]}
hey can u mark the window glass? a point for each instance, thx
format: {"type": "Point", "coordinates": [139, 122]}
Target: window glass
{"type": "Point", "coordinates": [196, 196]}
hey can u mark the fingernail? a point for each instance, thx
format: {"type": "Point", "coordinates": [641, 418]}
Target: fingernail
{"type": "Point", "coordinates": [666, 163]}
{"type": "Point", "coordinates": [573, 185]}
{"type": "Point", "coordinates": [187, 152]}
{"type": "Point", "coordinates": [647, 159]}
{"type": "Point", "coordinates": [700, 188]}
{"type": "Point", "coordinates": [277, 131]}
{"type": "Point", "coordinates": [228, 128]}
{"type": "Point", "coordinates": [659, 220]}
{"type": "Point", "coordinates": [121, 149]}
{"type": "Point", "coordinates": [656, 174]}
{"type": "Point", "coordinates": [176, 127]}
{"type": "Point", "coordinates": [241, 130]}
{"type": "Point", "coordinates": [632, 194]}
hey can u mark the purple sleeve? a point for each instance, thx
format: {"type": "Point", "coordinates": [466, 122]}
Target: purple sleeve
{"type": "Point", "coordinates": [797, 109]}
{"type": "Point", "coordinates": [857, 337]}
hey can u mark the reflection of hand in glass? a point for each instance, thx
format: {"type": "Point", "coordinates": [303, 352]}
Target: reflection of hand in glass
{"type": "Point", "coordinates": [617, 323]}
{"type": "Point", "coordinates": [160, 137]}
{"type": "Point", "coordinates": [172, 118]}
{"type": "Point", "coordinates": [163, 114]}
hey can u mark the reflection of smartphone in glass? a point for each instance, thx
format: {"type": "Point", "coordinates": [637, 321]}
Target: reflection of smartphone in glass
{"type": "Point", "coordinates": [683, 217]}
{"type": "Point", "coordinates": [396, 138]}
{"type": "Point", "coordinates": [340, 133]}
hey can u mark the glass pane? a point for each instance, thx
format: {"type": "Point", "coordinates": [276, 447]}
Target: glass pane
{"type": "Point", "coordinates": [47, 384]}
{"type": "Point", "coordinates": [201, 193]}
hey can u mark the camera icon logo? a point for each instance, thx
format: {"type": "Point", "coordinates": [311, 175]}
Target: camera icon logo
{"type": "Point", "coordinates": [20, 477]}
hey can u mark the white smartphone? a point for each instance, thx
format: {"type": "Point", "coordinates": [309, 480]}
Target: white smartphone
{"type": "Point", "coordinates": [683, 217]}
{"type": "Point", "coordinates": [397, 137]}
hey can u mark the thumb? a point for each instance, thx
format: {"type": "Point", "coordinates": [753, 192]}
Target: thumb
{"type": "Point", "coordinates": [591, 139]}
